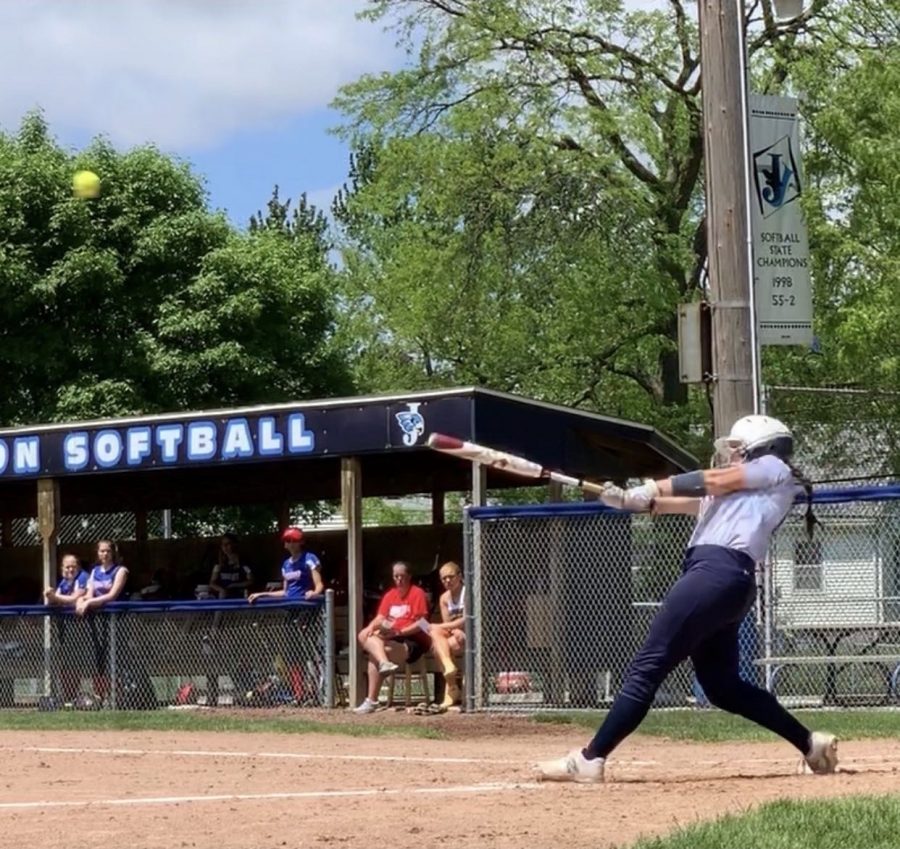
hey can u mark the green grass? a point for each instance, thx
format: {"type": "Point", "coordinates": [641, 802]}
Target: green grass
{"type": "Point", "coordinates": [867, 822]}
{"type": "Point", "coordinates": [714, 726]}
{"type": "Point", "coordinates": [698, 725]}
{"type": "Point", "coordinates": [183, 721]}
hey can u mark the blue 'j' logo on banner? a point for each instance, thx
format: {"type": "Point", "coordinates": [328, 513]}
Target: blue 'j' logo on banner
{"type": "Point", "coordinates": [412, 423]}
{"type": "Point", "coordinates": [776, 176]}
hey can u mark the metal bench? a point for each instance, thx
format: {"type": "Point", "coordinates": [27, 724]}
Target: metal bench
{"type": "Point", "coordinates": [890, 664]}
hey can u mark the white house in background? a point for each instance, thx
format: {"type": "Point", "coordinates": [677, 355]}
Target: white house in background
{"type": "Point", "coordinates": [848, 574]}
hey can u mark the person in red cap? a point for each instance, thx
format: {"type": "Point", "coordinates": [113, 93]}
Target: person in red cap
{"type": "Point", "coordinates": [301, 572]}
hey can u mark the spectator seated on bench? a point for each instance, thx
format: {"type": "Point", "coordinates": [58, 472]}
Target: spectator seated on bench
{"type": "Point", "coordinates": [448, 636]}
{"type": "Point", "coordinates": [395, 636]}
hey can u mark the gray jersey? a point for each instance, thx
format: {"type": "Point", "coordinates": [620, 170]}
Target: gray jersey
{"type": "Point", "coordinates": [746, 520]}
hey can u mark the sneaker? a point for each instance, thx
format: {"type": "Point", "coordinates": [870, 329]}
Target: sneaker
{"type": "Point", "coordinates": [452, 693]}
{"type": "Point", "coordinates": [573, 767]}
{"type": "Point", "coordinates": [822, 758]}
{"type": "Point", "coordinates": [366, 706]}
{"type": "Point", "coordinates": [387, 666]}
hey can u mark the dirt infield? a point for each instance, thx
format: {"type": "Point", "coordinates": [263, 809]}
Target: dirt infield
{"type": "Point", "coordinates": [474, 789]}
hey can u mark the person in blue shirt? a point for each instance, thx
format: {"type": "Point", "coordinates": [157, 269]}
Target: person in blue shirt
{"type": "Point", "coordinates": [738, 504]}
{"type": "Point", "coordinates": [72, 584]}
{"type": "Point", "coordinates": [301, 572]}
{"type": "Point", "coordinates": [301, 576]}
{"type": "Point", "coordinates": [106, 582]}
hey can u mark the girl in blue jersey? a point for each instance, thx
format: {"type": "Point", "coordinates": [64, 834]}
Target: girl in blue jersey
{"type": "Point", "coordinates": [738, 508]}
{"type": "Point", "coordinates": [72, 584]}
{"type": "Point", "coordinates": [301, 576]}
{"type": "Point", "coordinates": [106, 582]}
{"type": "Point", "coordinates": [301, 572]}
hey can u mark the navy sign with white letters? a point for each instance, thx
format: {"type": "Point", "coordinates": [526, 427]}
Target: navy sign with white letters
{"type": "Point", "coordinates": [271, 434]}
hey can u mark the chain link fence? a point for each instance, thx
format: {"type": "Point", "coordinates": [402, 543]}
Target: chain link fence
{"type": "Point", "coordinates": [177, 523]}
{"type": "Point", "coordinates": [831, 635]}
{"type": "Point", "coordinates": [564, 594]}
{"type": "Point", "coordinates": [145, 655]}
{"type": "Point", "coordinates": [840, 434]}
{"type": "Point", "coordinates": [88, 527]}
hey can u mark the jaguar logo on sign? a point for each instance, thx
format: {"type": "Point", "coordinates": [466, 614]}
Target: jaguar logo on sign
{"type": "Point", "coordinates": [412, 423]}
{"type": "Point", "coordinates": [776, 176]}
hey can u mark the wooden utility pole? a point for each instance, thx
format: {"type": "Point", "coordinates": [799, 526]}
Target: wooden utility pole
{"type": "Point", "coordinates": [727, 221]}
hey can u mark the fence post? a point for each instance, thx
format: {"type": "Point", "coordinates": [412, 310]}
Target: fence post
{"type": "Point", "coordinates": [472, 589]}
{"type": "Point", "coordinates": [329, 648]}
{"type": "Point", "coordinates": [769, 612]}
{"type": "Point", "coordinates": [113, 662]}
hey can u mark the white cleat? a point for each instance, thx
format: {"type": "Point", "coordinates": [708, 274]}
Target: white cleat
{"type": "Point", "coordinates": [823, 757]}
{"type": "Point", "coordinates": [573, 767]}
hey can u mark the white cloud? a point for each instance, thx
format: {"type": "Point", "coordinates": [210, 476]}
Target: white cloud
{"type": "Point", "coordinates": [182, 73]}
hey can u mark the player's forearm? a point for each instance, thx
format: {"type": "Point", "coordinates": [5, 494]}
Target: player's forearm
{"type": "Point", "coordinates": [682, 505]}
{"type": "Point", "coordinates": [100, 600]}
{"type": "Point", "coordinates": [703, 482]}
{"type": "Point", "coordinates": [61, 598]}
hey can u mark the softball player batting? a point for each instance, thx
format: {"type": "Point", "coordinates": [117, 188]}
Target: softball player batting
{"type": "Point", "coordinates": [738, 507]}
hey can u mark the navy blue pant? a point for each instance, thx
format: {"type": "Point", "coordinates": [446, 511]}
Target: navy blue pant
{"type": "Point", "coordinates": [699, 618]}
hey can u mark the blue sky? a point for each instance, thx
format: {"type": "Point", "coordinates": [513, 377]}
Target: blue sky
{"type": "Point", "coordinates": [239, 88]}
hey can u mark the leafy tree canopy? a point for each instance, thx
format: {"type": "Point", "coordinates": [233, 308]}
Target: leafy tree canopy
{"type": "Point", "coordinates": [143, 300]}
{"type": "Point", "coordinates": [526, 203]}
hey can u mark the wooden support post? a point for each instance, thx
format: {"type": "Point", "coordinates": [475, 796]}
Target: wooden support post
{"type": "Point", "coordinates": [48, 509]}
{"type": "Point", "coordinates": [351, 507]}
{"type": "Point", "coordinates": [437, 507]}
{"type": "Point", "coordinates": [727, 226]}
{"type": "Point", "coordinates": [479, 485]}
{"type": "Point", "coordinates": [48, 526]}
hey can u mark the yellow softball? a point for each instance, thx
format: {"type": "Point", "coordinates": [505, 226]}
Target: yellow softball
{"type": "Point", "coordinates": [85, 184]}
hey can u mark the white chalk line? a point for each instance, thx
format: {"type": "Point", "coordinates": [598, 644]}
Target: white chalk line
{"type": "Point", "coordinates": [251, 797]}
{"type": "Point", "coordinates": [303, 756]}
{"type": "Point", "coordinates": [615, 763]}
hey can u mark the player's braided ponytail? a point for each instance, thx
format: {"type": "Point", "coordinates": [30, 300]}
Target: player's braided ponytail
{"type": "Point", "coordinates": [810, 517]}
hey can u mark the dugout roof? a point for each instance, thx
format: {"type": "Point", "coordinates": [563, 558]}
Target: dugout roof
{"type": "Point", "coordinates": [292, 452]}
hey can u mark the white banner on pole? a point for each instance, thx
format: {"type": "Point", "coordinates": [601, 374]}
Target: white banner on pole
{"type": "Point", "coordinates": [780, 244]}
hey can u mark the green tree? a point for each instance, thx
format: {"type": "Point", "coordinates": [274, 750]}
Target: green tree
{"type": "Point", "coordinates": [850, 105]}
{"type": "Point", "coordinates": [142, 299]}
{"type": "Point", "coordinates": [526, 207]}
{"type": "Point", "coordinates": [853, 166]}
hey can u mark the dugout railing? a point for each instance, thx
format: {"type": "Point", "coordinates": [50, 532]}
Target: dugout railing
{"type": "Point", "coordinates": [561, 595]}
{"type": "Point", "coordinates": [151, 654]}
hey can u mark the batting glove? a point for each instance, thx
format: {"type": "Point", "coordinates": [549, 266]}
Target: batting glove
{"type": "Point", "coordinates": [637, 499]}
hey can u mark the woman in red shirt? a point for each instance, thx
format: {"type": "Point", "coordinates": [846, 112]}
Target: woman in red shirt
{"type": "Point", "coordinates": [398, 633]}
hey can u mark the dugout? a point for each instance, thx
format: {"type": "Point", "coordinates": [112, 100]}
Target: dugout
{"type": "Point", "coordinates": [342, 449]}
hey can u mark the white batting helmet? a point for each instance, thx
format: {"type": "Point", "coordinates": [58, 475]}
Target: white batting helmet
{"type": "Point", "coordinates": [753, 436]}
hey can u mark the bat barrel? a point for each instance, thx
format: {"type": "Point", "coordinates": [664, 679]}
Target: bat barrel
{"type": "Point", "coordinates": [442, 442]}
